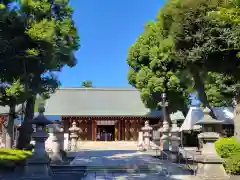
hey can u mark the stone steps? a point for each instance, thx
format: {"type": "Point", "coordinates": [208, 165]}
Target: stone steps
{"type": "Point", "coordinates": [83, 170]}
{"type": "Point", "coordinates": [127, 169]}
{"type": "Point", "coordinates": [66, 169]}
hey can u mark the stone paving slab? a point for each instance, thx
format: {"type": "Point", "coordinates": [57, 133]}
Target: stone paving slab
{"type": "Point", "coordinates": [112, 157]}
{"type": "Point", "coordinates": [138, 176]}
{"type": "Point", "coordinates": [138, 165]}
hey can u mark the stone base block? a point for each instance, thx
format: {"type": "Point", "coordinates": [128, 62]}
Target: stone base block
{"type": "Point", "coordinates": [56, 157]}
{"type": "Point", "coordinates": [173, 156]}
{"type": "Point", "coordinates": [209, 171]}
{"type": "Point", "coordinates": [39, 171]}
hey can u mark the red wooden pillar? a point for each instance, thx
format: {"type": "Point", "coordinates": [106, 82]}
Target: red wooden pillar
{"type": "Point", "coordinates": [94, 129]}
{"type": "Point", "coordinates": [126, 130]}
{"type": "Point", "coordinates": [119, 129]}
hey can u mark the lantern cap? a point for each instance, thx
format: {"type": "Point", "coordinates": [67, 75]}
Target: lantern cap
{"type": "Point", "coordinates": [41, 118]}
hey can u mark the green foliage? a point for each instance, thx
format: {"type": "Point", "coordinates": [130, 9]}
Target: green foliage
{"type": "Point", "coordinates": [153, 71]}
{"type": "Point", "coordinates": [13, 154]}
{"type": "Point", "coordinates": [87, 84]}
{"type": "Point", "coordinates": [36, 39]}
{"type": "Point", "coordinates": [12, 94]}
{"type": "Point", "coordinates": [227, 147]}
{"type": "Point", "coordinates": [9, 158]}
{"type": "Point", "coordinates": [192, 47]}
{"type": "Point", "coordinates": [229, 150]}
{"type": "Point", "coordinates": [232, 164]}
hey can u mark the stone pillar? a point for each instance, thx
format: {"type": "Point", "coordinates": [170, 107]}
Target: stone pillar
{"type": "Point", "coordinates": [57, 143]}
{"type": "Point", "coordinates": [73, 136]}
{"type": "Point", "coordinates": [165, 128]}
{"type": "Point", "coordinates": [38, 164]}
{"type": "Point", "coordinates": [146, 135]}
{"type": "Point", "coordinates": [174, 141]}
{"type": "Point", "coordinates": [165, 136]}
{"type": "Point", "coordinates": [210, 165]}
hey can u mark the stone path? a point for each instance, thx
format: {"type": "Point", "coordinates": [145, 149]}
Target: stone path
{"type": "Point", "coordinates": [108, 145]}
{"type": "Point", "coordinates": [108, 164]}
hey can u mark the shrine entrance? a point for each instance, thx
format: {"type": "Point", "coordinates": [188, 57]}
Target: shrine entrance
{"type": "Point", "coordinates": [105, 133]}
{"type": "Point", "coordinates": [105, 130]}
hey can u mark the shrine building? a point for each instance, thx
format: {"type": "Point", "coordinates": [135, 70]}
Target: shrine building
{"type": "Point", "coordinates": [119, 112]}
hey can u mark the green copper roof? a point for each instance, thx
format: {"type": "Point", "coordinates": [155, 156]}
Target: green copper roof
{"type": "Point", "coordinates": [97, 102]}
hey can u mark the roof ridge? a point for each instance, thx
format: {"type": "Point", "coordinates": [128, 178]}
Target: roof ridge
{"type": "Point", "coordinates": [98, 89]}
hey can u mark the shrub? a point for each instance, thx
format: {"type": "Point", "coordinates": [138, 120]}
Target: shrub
{"type": "Point", "coordinates": [11, 157]}
{"type": "Point", "coordinates": [227, 147]}
{"type": "Point", "coordinates": [232, 164]}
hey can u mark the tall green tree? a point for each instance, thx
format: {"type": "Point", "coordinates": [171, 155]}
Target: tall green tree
{"type": "Point", "coordinates": [153, 70]}
{"type": "Point", "coordinates": [55, 39]}
{"type": "Point", "coordinates": [44, 42]}
{"type": "Point", "coordinates": [12, 92]}
{"type": "Point", "coordinates": [207, 47]}
{"type": "Point", "coordinates": [201, 52]}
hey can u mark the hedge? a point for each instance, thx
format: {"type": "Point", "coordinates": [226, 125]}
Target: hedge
{"type": "Point", "coordinates": [11, 157]}
{"type": "Point", "coordinates": [229, 150]}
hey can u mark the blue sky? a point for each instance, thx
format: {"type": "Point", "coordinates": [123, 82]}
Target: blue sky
{"type": "Point", "coordinates": [107, 29]}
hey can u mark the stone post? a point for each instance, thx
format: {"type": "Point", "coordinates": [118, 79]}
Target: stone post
{"type": "Point", "coordinates": [38, 164]}
{"type": "Point", "coordinates": [210, 165]}
{"type": "Point", "coordinates": [57, 142]}
{"type": "Point", "coordinates": [146, 135]}
{"type": "Point", "coordinates": [174, 141]}
{"type": "Point", "coordinates": [165, 136]}
{"type": "Point", "coordinates": [73, 136]}
{"type": "Point", "coordinates": [165, 128]}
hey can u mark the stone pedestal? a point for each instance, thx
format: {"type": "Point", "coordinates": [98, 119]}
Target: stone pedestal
{"type": "Point", "coordinates": [140, 141]}
{"type": "Point", "coordinates": [57, 141]}
{"type": "Point", "coordinates": [174, 141]}
{"type": "Point", "coordinates": [73, 136]}
{"type": "Point", "coordinates": [38, 164]}
{"type": "Point", "coordinates": [165, 136]}
{"type": "Point", "coordinates": [210, 165]}
{"type": "Point", "coordinates": [146, 135]}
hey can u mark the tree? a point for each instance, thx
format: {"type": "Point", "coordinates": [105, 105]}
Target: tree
{"type": "Point", "coordinates": [153, 71]}
{"type": "Point", "coordinates": [12, 92]}
{"type": "Point", "coordinates": [54, 30]}
{"type": "Point", "coordinates": [207, 47]}
{"type": "Point", "coordinates": [47, 39]}
{"type": "Point", "coordinates": [10, 96]}
{"type": "Point", "coordinates": [193, 46]}
{"type": "Point", "coordinates": [87, 84]}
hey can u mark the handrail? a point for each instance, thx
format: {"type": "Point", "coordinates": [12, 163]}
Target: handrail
{"type": "Point", "coordinates": [158, 150]}
{"type": "Point", "coordinates": [166, 154]}
{"type": "Point", "coordinates": [187, 161]}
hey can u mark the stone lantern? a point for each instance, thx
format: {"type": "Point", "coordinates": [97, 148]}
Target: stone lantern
{"type": "Point", "coordinates": [165, 128]}
{"type": "Point", "coordinates": [38, 163]}
{"type": "Point", "coordinates": [174, 140]}
{"type": "Point", "coordinates": [57, 143]}
{"type": "Point", "coordinates": [73, 136]}
{"type": "Point", "coordinates": [210, 165]}
{"type": "Point", "coordinates": [147, 135]}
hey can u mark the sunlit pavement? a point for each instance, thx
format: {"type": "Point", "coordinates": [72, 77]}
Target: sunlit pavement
{"type": "Point", "coordinates": [106, 164]}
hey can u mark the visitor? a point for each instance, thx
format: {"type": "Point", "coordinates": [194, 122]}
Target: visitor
{"type": "Point", "coordinates": [98, 136]}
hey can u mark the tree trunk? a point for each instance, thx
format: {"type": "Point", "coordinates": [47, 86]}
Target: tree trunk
{"type": "Point", "coordinates": [10, 126]}
{"type": "Point", "coordinates": [26, 128]}
{"type": "Point", "coordinates": [199, 86]}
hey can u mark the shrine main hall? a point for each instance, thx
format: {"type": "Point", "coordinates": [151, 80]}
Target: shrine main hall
{"type": "Point", "coordinates": [118, 113]}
